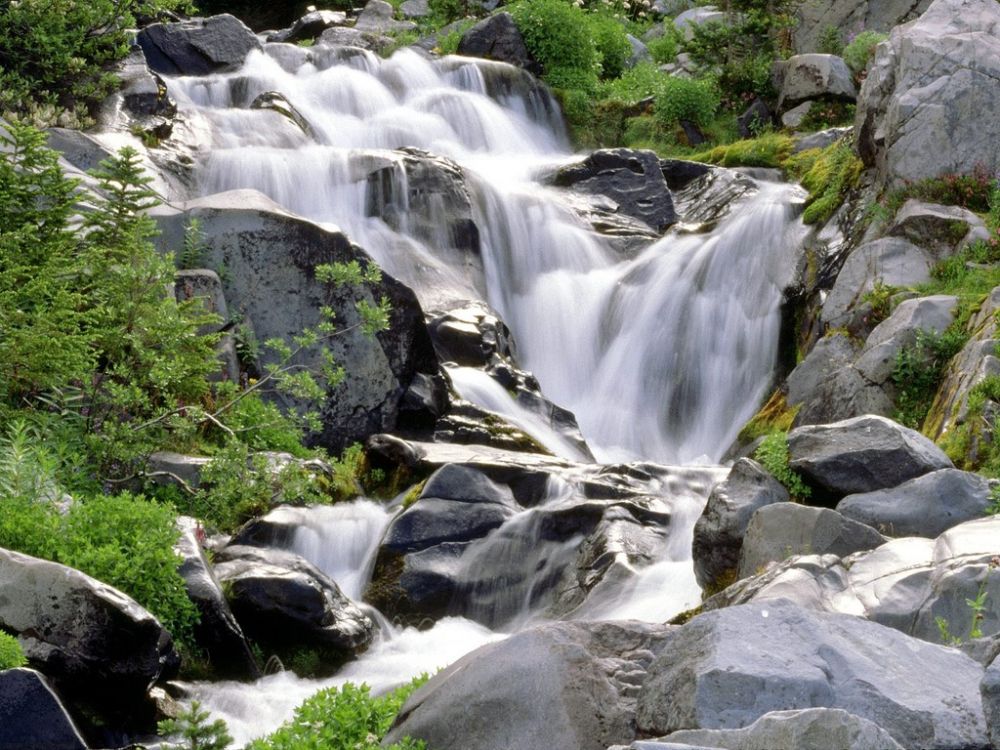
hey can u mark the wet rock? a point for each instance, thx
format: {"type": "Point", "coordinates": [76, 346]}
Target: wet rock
{"type": "Point", "coordinates": [498, 38]}
{"type": "Point", "coordinates": [198, 46]}
{"type": "Point", "coordinates": [861, 454]}
{"type": "Point", "coordinates": [98, 646]}
{"type": "Point", "coordinates": [754, 120]}
{"type": "Point", "coordinates": [990, 688]}
{"type": "Point", "coordinates": [778, 531]}
{"type": "Point", "coordinates": [679, 173]}
{"type": "Point", "coordinates": [310, 26]}
{"type": "Point", "coordinates": [271, 257]}
{"type": "Point", "coordinates": [32, 716]}
{"type": "Point", "coordinates": [470, 336]}
{"type": "Point", "coordinates": [377, 16]}
{"type": "Point", "coordinates": [814, 76]}
{"type": "Point", "coordinates": [278, 103]}
{"type": "Point", "coordinates": [926, 506]}
{"type": "Point", "coordinates": [820, 139]}
{"type": "Point", "coordinates": [368, 39]}
{"type": "Point", "coordinates": [813, 19]}
{"type": "Point", "coordinates": [719, 672]}
{"type": "Point", "coordinates": [144, 93]}
{"type": "Point", "coordinates": [560, 685]}
{"type": "Point", "coordinates": [702, 203]}
{"type": "Point", "coordinates": [718, 533]}
{"type": "Point", "coordinates": [928, 101]}
{"type": "Point", "coordinates": [938, 229]}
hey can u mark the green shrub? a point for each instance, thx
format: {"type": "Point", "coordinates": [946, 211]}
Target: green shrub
{"type": "Point", "coordinates": [860, 51]}
{"type": "Point", "coordinates": [772, 454]}
{"type": "Point", "coordinates": [445, 11]}
{"type": "Point", "coordinates": [611, 42]}
{"type": "Point", "coordinates": [918, 372]}
{"type": "Point", "coordinates": [11, 655]}
{"type": "Point", "coordinates": [193, 725]}
{"type": "Point", "coordinates": [678, 99]}
{"type": "Point", "coordinates": [830, 41]}
{"type": "Point", "coordinates": [769, 150]}
{"type": "Point", "coordinates": [664, 49]}
{"type": "Point", "coordinates": [557, 34]}
{"type": "Point", "coordinates": [345, 718]}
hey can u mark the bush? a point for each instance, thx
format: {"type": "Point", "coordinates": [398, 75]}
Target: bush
{"type": "Point", "coordinates": [830, 41]}
{"type": "Point", "coordinates": [664, 49]}
{"type": "Point", "coordinates": [772, 454]}
{"type": "Point", "coordinates": [918, 372]}
{"type": "Point", "coordinates": [11, 655]}
{"type": "Point", "coordinates": [860, 51]}
{"type": "Point", "coordinates": [686, 99]}
{"type": "Point", "coordinates": [557, 34]}
{"type": "Point", "coordinates": [611, 42]}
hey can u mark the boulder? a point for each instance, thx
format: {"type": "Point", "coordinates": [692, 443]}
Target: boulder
{"type": "Point", "coordinates": [831, 353]}
{"type": "Point", "coordinates": [633, 179]}
{"type": "Point", "coordinates": [284, 602]}
{"type": "Point", "coordinates": [271, 257]}
{"type": "Point", "coordinates": [718, 533]}
{"type": "Point", "coordinates": [377, 17]}
{"type": "Point", "coordinates": [197, 47]}
{"type": "Point", "coordinates": [688, 20]}
{"type": "Point", "coordinates": [342, 36]}
{"type": "Point", "coordinates": [411, 9]}
{"type": "Point", "coordinates": [776, 532]}
{"type": "Point", "coordinates": [814, 76]}
{"type": "Point", "coordinates": [990, 688]}
{"type": "Point", "coordinates": [470, 336]}
{"type": "Point", "coordinates": [680, 173]}
{"type": "Point", "coordinates": [144, 93]}
{"type": "Point", "coordinates": [217, 632]}
{"type": "Point", "coordinates": [861, 454]}
{"type": "Point", "coordinates": [726, 668]}
{"type": "Point", "coordinates": [794, 117]}
{"type": "Point", "coordinates": [639, 54]}
{"type": "Point", "coordinates": [891, 261]}
{"type": "Point", "coordinates": [928, 104]}
{"type": "Point", "coordinates": [498, 38]}
{"type": "Point", "coordinates": [310, 26]}
{"type": "Point", "coordinates": [938, 229]}
{"type": "Point", "coordinates": [167, 467]}
{"type": "Point", "coordinates": [851, 16]}
{"type": "Point", "coordinates": [805, 729]}
{"type": "Point", "coordinates": [844, 395]}
{"type": "Point", "coordinates": [819, 139]}
{"type": "Point", "coordinates": [755, 119]}
{"type": "Point", "coordinates": [98, 646]}
{"type": "Point", "coordinates": [566, 686]}
{"type": "Point", "coordinates": [32, 716]}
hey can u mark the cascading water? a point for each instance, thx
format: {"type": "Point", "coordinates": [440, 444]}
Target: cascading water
{"type": "Point", "coordinates": [661, 357]}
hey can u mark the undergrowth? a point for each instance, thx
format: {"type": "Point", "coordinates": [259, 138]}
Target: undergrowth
{"type": "Point", "coordinates": [772, 454]}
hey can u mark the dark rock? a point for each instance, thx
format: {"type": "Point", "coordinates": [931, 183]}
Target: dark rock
{"type": "Point", "coordinates": [938, 229]}
{"type": "Point", "coordinates": [465, 484]}
{"type": "Point", "coordinates": [498, 38]}
{"type": "Point", "coordinates": [388, 452]}
{"type": "Point", "coordinates": [277, 102]}
{"type": "Point", "coordinates": [754, 120]}
{"type": "Point", "coordinates": [310, 26]}
{"type": "Point", "coordinates": [339, 36]}
{"type": "Point", "coordinates": [990, 688]}
{"type": "Point", "coordinates": [198, 46]}
{"type": "Point", "coordinates": [926, 506]}
{"type": "Point", "coordinates": [861, 454]}
{"type": "Point", "coordinates": [718, 533]}
{"type": "Point", "coordinates": [692, 133]}
{"type": "Point", "coordinates": [32, 716]}
{"type": "Point", "coordinates": [144, 93]}
{"type": "Point", "coordinates": [432, 521]}
{"type": "Point", "coordinates": [470, 336]}
{"type": "Point", "coordinates": [679, 173]}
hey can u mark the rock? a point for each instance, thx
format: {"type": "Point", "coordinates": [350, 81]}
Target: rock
{"type": "Point", "coordinates": [831, 353]}
{"type": "Point", "coordinates": [912, 584]}
{"type": "Point", "coordinates": [286, 603]}
{"type": "Point", "coordinates": [98, 646]}
{"type": "Point", "coordinates": [198, 46]}
{"type": "Point", "coordinates": [687, 21]}
{"type": "Point", "coordinates": [144, 93]}
{"type": "Point", "coordinates": [990, 688]}
{"type": "Point", "coordinates": [721, 671]}
{"type": "Point", "coordinates": [814, 76]}
{"type": "Point", "coordinates": [205, 285]}
{"type": "Point", "coordinates": [32, 716]}
{"type": "Point", "coordinates": [805, 729]}
{"type": "Point", "coordinates": [813, 19]}
{"type": "Point", "coordinates": [167, 467]}
{"type": "Point", "coordinates": [310, 26]}
{"type": "Point", "coordinates": [432, 522]}
{"type": "Point", "coordinates": [561, 685]}
{"type": "Point", "coordinates": [377, 17]}
{"type": "Point", "coordinates": [861, 454]}
{"type": "Point", "coordinates": [271, 256]}
{"type": "Point", "coordinates": [776, 532]}
{"type": "Point", "coordinates": [891, 261]}
{"type": "Point", "coordinates": [926, 506]}
{"type": "Point", "coordinates": [925, 109]}
{"type": "Point", "coordinates": [718, 533]}
{"type": "Point", "coordinates": [796, 115]}
{"type": "Point", "coordinates": [633, 179]}
{"type": "Point", "coordinates": [412, 9]}
{"type": "Point", "coordinates": [498, 38]}
{"type": "Point", "coordinates": [340, 36]}
{"type": "Point", "coordinates": [679, 173]}
{"type": "Point", "coordinates": [754, 120]}
{"type": "Point", "coordinates": [470, 336]}
{"type": "Point", "coordinates": [820, 139]}
{"type": "Point", "coordinates": [845, 395]}
{"type": "Point", "coordinates": [277, 102]}
{"type": "Point", "coordinates": [640, 53]}
{"type": "Point", "coordinates": [937, 229]}
{"type": "Point", "coordinates": [217, 632]}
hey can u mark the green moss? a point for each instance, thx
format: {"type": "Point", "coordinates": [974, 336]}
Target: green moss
{"type": "Point", "coordinates": [11, 655]}
{"type": "Point", "coordinates": [828, 174]}
{"type": "Point", "coordinates": [769, 150]}
{"type": "Point", "coordinates": [413, 494]}
{"type": "Point", "coordinates": [776, 414]}
{"type": "Point", "coordinates": [685, 617]}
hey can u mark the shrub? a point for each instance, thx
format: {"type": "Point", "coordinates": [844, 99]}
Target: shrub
{"type": "Point", "coordinates": [611, 42]}
{"type": "Point", "coordinates": [664, 49]}
{"type": "Point", "coordinates": [11, 655]}
{"type": "Point", "coordinates": [918, 372]}
{"type": "Point", "coordinates": [860, 51]}
{"type": "Point", "coordinates": [193, 725]}
{"type": "Point", "coordinates": [678, 99]}
{"type": "Point", "coordinates": [830, 41]}
{"type": "Point", "coordinates": [557, 35]}
{"type": "Point", "coordinates": [772, 454]}
{"type": "Point", "coordinates": [445, 11]}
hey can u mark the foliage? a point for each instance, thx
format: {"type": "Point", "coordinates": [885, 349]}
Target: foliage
{"type": "Point", "coordinates": [970, 191]}
{"type": "Point", "coordinates": [918, 372]}
{"type": "Point", "coordinates": [860, 51]}
{"type": "Point", "coordinates": [663, 49]}
{"type": "Point", "coordinates": [345, 718]}
{"type": "Point", "coordinates": [448, 43]}
{"type": "Point", "coordinates": [830, 41]}
{"type": "Point", "coordinates": [769, 150]}
{"type": "Point", "coordinates": [772, 454]}
{"type": "Point", "coordinates": [829, 114]}
{"type": "Point", "coordinates": [611, 43]}
{"type": "Point", "coordinates": [828, 174]}
{"type": "Point", "coordinates": [879, 298]}
{"type": "Point", "coordinates": [557, 35]}
{"type": "Point", "coordinates": [11, 655]}
{"type": "Point", "coordinates": [193, 725]}
{"type": "Point", "coordinates": [695, 100]}
{"type": "Point", "coordinates": [775, 415]}
{"type": "Point", "coordinates": [445, 11]}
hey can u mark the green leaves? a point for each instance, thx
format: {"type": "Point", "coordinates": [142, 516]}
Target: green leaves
{"type": "Point", "coordinates": [772, 454]}
{"type": "Point", "coordinates": [194, 727]}
{"type": "Point", "coordinates": [11, 655]}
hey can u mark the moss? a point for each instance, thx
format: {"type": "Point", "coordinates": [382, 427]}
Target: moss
{"type": "Point", "coordinates": [828, 174]}
{"type": "Point", "coordinates": [774, 415]}
{"type": "Point", "coordinates": [769, 150]}
{"type": "Point", "coordinates": [413, 494]}
{"type": "Point", "coordinates": [685, 617]}
{"type": "Point", "coordinates": [721, 582]}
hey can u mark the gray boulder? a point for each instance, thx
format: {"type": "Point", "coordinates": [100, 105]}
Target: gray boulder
{"type": "Point", "coordinates": [830, 354]}
{"type": "Point", "coordinates": [719, 532]}
{"type": "Point", "coordinates": [861, 454]}
{"type": "Point", "coordinates": [564, 686]}
{"type": "Point", "coordinates": [938, 229]}
{"type": "Point", "coordinates": [846, 394]}
{"type": "Point", "coordinates": [144, 93]}
{"type": "Point", "coordinates": [310, 26]}
{"type": "Point", "coordinates": [498, 38]}
{"type": "Point", "coordinates": [32, 716]}
{"type": "Point", "coordinates": [805, 729]}
{"type": "Point", "coordinates": [926, 506]}
{"type": "Point", "coordinates": [990, 689]}
{"type": "Point", "coordinates": [412, 9]}
{"type": "Point", "coordinates": [377, 17]}
{"type": "Point", "coordinates": [197, 47]}
{"type": "Point", "coordinates": [284, 602]}
{"type": "Point", "coordinates": [271, 257]}
{"type": "Point", "coordinates": [795, 116]}
{"type": "Point", "coordinates": [814, 18]}
{"type": "Point", "coordinates": [776, 532]}
{"type": "Point", "coordinates": [727, 668]}
{"type": "Point", "coordinates": [344, 36]}
{"type": "Point", "coordinates": [687, 21]}
{"type": "Point", "coordinates": [814, 76]}
{"type": "Point", "coordinates": [97, 645]}
{"type": "Point", "coordinates": [928, 102]}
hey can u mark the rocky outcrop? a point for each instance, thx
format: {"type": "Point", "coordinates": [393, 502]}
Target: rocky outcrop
{"type": "Point", "coordinates": [861, 455]}
{"type": "Point", "coordinates": [98, 646]}
{"type": "Point", "coordinates": [498, 38]}
{"type": "Point", "coordinates": [719, 671]}
{"type": "Point", "coordinates": [718, 533]}
{"type": "Point", "coordinates": [198, 46]}
{"type": "Point", "coordinates": [813, 76]}
{"type": "Point", "coordinates": [990, 689]}
{"type": "Point", "coordinates": [563, 685]}
{"type": "Point", "coordinates": [377, 17]}
{"type": "Point", "coordinates": [850, 17]}
{"type": "Point", "coordinates": [204, 286]}
{"type": "Point", "coordinates": [938, 229]}
{"type": "Point", "coordinates": [310, 26]}
{"type": "Point", "coordinates": [32, 716]}
{"type": "Point", "coordinates": [928, 104]}
{"type": "Point", "coordinates": [271, 258]}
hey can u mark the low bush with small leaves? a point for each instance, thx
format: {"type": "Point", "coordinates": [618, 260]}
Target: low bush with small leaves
{"type": "Point", "coordinates": [695, 100]}
{"type": "Point", "coordinates": [772, 454]}
{"type": "Point", "coordinates": [860, 50]}
{"type": "Point", "coordinates": [11, 655]}
{"type": "Point", "coordinates": [557, 35]}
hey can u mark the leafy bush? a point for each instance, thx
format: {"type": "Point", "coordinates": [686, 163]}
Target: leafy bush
{"type": "Point", "coordinates": [664, 49]}
{"type": "Point", "coordinates": [193, 725]}
{"type": "Point", "coordinates": [860, 51]}
{"type": "Point", "coordinates": [918, 372]}
{"type": "Point", "coordinates": [11, 655]}
{"type": "Point", "coordinates": [678, 99]}
{"type": "Point", "coordinates": [830, 42]}
{"type": "Point", "coordinates": [345, 718]}
{"type": "Point", "coordinates": [445, 11]}
{"type": "Point", "coordinates": [611, 42]}
{"type": "Point", "coordinates": [557, 34]}
{"type": "Point", "coordinates": [772, 454]}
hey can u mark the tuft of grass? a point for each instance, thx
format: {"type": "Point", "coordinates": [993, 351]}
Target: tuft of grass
{"type": "Point", "coordinates": [828, 174]}
{"type": "Point", "coordinates": [768, 150]}
{"type": "Point", "coordinates": [774, 416]}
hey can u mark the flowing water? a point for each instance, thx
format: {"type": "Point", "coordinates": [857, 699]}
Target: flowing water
{"type": "Point", "coordinates": [661, 356]}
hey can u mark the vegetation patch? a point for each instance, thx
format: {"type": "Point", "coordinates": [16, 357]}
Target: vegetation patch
{"type": "Point", "coordinates": [772, 454]}
{"type": "Point", "coordinates": [829, 175]}
{"type": "Point", "coordinates": [11, 655]}
{"type": "Point", "coordinates": [919, 370]}
{"type": "Point", "coordinates": [774, 416]}
{"type": "Point", "coordinates": [769, 150]}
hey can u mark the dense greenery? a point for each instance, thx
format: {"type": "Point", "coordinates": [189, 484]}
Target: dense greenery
{"type": "Point", "coordinates": [772, 453]}
{"type": "Point", "coordinates": [11, 655]}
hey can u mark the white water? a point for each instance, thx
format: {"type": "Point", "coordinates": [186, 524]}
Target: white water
{"type": "Point", "coordinates": [661, 357]}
